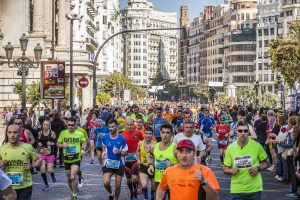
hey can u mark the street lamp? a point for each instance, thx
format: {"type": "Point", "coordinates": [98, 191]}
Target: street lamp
{"type": "Point", "coordinates": [23, 63]}
{"type": "Point", "coordinates": [256, 85]}
{"type": "Point", "coordinates": [71, 17]}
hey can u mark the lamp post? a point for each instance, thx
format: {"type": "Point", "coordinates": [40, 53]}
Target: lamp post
{"type": "Point", "coordinates": [256, 85]}
{"type": "Point", "coordinates": [71, 17]}
{"type": "Point", "coordinates": [23, 63]}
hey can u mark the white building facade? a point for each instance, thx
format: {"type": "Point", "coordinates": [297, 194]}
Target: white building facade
{"type": "Point", "coordinates": [34, 18]}
{"type": "Point", "coordinates": [150, 52]}
{"type": "Point", "coordinates": [266, 32]}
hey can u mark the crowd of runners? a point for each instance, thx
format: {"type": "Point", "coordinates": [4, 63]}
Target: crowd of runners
{"type": "Point", "coordinates": [162, 149]}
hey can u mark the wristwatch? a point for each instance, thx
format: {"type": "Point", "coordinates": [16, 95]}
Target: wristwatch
{"type": "Point", "coordinates": [204, 182]}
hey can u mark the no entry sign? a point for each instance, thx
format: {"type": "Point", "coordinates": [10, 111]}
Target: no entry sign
{"type": "Point", "coordinates": [83, 82]}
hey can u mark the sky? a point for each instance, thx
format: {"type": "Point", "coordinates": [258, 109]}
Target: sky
{"type": "Point", "coordinates": [195, 6]}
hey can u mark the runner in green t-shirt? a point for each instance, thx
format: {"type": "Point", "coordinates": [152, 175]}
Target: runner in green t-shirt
{"type": "Point", "coordinates": [244, 159]}
{"type": "Point", "coordinates": [162, 154]}
{"type": "Point", "coordinates": [15, 159]}
{"type": "Point", "coordinates": [71, 140]}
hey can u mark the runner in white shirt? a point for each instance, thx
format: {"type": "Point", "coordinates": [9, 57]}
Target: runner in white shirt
{"type": "Point", "coordinates": [197, 140]}
{"type": "Point", "coordinates": [5, 187]}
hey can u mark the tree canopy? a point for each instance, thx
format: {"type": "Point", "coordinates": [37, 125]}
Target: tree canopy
{"type": "Point", "coordinates": [116, 83]}
{"type": "Point", "coordinates": [285, 55]}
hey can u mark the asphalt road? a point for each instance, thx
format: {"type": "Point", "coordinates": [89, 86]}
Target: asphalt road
{"type": "Point", "coordinates": [93, 187]}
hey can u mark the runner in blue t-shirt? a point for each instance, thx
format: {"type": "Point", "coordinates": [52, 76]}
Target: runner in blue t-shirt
{"type": "Point", "coordinates": [157, 122]}
{"type": "Point", "coordinates": [207, 124]}
{"type": "Point", "coordinates": [114, 150]}
{"type": "Point", "coordinates": [99, 132]}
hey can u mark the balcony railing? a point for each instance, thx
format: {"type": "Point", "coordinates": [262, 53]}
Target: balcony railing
{"type": "Point", "coordinates": [91, 42]}
{"type": "Point", "coordinates": [91, 7]}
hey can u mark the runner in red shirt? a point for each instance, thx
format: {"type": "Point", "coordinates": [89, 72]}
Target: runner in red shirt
{"type": "Point", "coordinates": [133, 137]}
{"type": "Point", "coordinates": [222, 131]}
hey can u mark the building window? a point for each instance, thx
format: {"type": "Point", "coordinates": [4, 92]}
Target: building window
{"type": "Point", "coordinates": [104, 19]}
{"type": "Point", "coordinates": [272, 31]}
{"type": "Point", "coordinates": [266, 32]}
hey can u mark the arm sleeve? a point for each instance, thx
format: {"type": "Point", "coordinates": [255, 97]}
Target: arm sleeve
{"type": "Point", "coordinates": [211, 179]}
{"type": "Point", "coordinates": [33, 154]}
{"type": "Point", "coordinates": [124, 145]}
{"type": "Point", "coordinates": [5, 182]}
{"type": "Point", "coordinates": [164, 181]}
{"type": "Point", "coordinates": [228, 159]}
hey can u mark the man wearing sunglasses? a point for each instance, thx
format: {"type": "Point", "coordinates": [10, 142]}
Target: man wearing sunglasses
{"type": "Point", "coordinates": [244, 159]}
{"type": "Point", "coordinates": [71, 140]}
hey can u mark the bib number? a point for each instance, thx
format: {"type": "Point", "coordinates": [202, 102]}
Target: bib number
{"type": "Point", "coordinates": [161, 164]}
{"type": "Point", "coordinates": [71, 150]}
{"type": "Point", "coordinates": [243, 161]}
{"type": "Point", "coordinates": [130, 157]}
{"type": "Point", "coordinates": [223, 142]}
{"type": "Point", "coordinates": [112, 164]}
{"type": "Point", "coordinates": [45, 151]}
{"type": "Point", "coordinates": [15, 177]}
{"type": "Point", "coordinates": [71, 153]}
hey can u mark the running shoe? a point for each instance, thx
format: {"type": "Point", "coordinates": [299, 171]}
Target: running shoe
{"type": "Point", "coordinates": [292, 195]}
{"type": "Point", "coordinates": [46, 188]}
{"type": "Point", "coordinates": [80, 182]}
{"type": "Point", "coordinates": [74, 196]}
{"type": "Point", "coordinates": [92, 161]}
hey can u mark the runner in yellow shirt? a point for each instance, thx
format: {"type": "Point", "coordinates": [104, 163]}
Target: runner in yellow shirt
{"type": "Point", "coordinates": [15, 159]}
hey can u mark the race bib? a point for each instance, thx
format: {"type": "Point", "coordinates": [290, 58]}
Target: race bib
{"type": "Point", "coordinates": [113, 164]}
{"type": "Point", "coordinates": [157, 126]}
{"type": "Point", "coordinates": [45, 151]}
{"type": "Point", "coordinates": [144, 160]}
{"type": "Point", "coordinates": [130, 157]}
{"type": "Point", "coordinates": [15, 177]}
{"type": "Point", "coordinates": [243, 161]}
{"type": "Point", "coordinates": [71, 150]}
{"type": "Point", "coordinates": [161, 164]}
{"type": "Point", "coordinates": [223, 142]}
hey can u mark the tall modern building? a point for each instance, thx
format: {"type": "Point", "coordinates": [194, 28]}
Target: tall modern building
{"type": "Point", "coordinates": [242, 42]}
{"type": "Point", "coordinates": [266, 32]}
{"type": "Point", "coordinates": [150, 52]}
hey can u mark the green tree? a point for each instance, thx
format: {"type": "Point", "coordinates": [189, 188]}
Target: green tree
{"type": "Point", "coordinates": [248, 93]}
{"type": "Point", "coordinates": [202, 92]}
{"type": "Point", "coordinates": [103, 98]}
{"type": "Point", "coordinates": [116, 83]}
{"type": "Point", "coordinates": [158, 78]}
{"type": "Point", "coordinates": [223, 98]}
{"type": "Point", "coordinates": [285, 55]}
{"type": "Point", "coordinates": [269, 99]}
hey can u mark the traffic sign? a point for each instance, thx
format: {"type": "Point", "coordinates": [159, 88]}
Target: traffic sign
{"type": "Point", "coordinates": [83, 82]}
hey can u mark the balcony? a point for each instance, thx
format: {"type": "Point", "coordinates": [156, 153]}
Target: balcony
{"type": "Point", "coordinates": [90, 25]}
{"type": "Point", "coordinates": [92, 43]}
{"type": "Point", "coordinates": [91, 7]}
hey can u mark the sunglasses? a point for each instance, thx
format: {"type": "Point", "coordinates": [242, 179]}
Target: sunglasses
{"type": "Point", "coordinates": [243, 130]}
{"type": "Point", "coordinates": [71, 124]}
{"type": "Point", "coordinates": [18, 123]}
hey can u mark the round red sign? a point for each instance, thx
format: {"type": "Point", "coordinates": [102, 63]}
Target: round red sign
{"type": "Point", "coordinates": [83, 82]}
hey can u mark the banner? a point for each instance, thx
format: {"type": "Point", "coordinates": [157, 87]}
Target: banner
{"type": "Point", "coordinates": [53, 80]}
